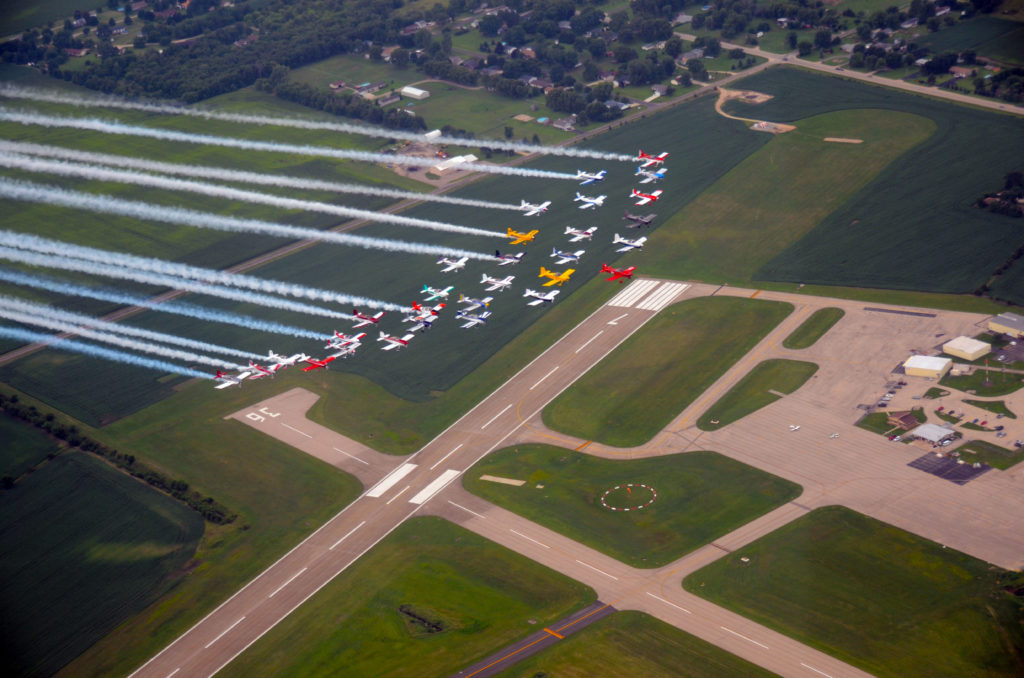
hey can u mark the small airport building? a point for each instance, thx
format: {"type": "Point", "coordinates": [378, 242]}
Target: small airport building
{"type": "Point", "coordinates": [1008, 323]}
{"type": "Point", "coordinates": [933, 433]}
{"type": "Point", "coordinates": [967, 348]}
{"type": "Point", "coordinates": [414, 92]}
{"type": "Point", "coordinates": [454, 163]}
{"type": "Point", "coordinates": [929, 366]}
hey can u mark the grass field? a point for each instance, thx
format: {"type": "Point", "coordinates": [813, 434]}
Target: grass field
{"type": "Point", "coordinates": [878, 597]}
{"type": "Point", "coordinates": [479, 595]}
{"type": "Point", "coordinates": [700, 496]}
{"type": "Point", "coordinates": [989, 36]}
{"type": "Point", "coordinates": [627, 644]}
{"type": "Point", "coordinates": [17, 15]}
{"type": "Point", "coordinates": [995, 406]}
{"type": "Point", "coordinates": [878, 422]}
{"type": "Point", "coordinates": [814, 328]}
{"type": "Point", "coordinates": [85, 547]}
{"type": "Point", "coordinates": [993, 455]}
{"type": "Point", "coordinates": [985, 383]}
{"type": "Point", "coordinates": [753, 391]}
{"type": "Point", "coordinates": [23, 446]}
{"type": "Point", "coordinates": [643, 384]}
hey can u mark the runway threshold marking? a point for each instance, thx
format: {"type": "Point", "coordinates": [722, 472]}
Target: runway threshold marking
{"type": "Point", "coordinates": [749, 640]}
{"type": "Point", "coordinates": [361, 461]}
{"type": "Point", "coordinates": [224, 633]}
{"type": "Point", "coordinates": [301, 433]}
{"type": "Point", "coordinates": [390, 480]}
{"type": "Point", "coordinates": [529, 538]}
{"type": "Point", "coordinates": [808, 666]}
{"type": "Point", "coordinates": [438, 484]}
{"type": "Point", "coordinates": [668, 602]}
{"type": "Point", "coordinates": [347, 535]}
{"type": "Point", "coordinates": [388, 502]}
{"type": "Point", "coordinates": [590, 340]}
{"type": "Point", "coordinates": [556, 635]}
{"type": "Point", "coordinates": [290, 580]}
{"type": "Point", "coordinates": [445, 457]}
{"type": "Point", "coordinates": [491, 420]}
{"type": "Point", "coordinates": [545, 377]}
{"type": "Point", "coordinates": [467, 510]}
{"type": "Point", "coordinates": [612, 576]}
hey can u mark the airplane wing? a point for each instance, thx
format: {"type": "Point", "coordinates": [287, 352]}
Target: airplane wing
{"type": "Point", "coordinates": [642, 201]}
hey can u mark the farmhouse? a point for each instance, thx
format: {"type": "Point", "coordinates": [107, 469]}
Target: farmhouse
{"type": "Point", "coordinates": [1008, 323]}
{"type": "Point", "coordinates": [414, 92]}
{"type": "Point", "coordinates": [933, 433]}
{"type": "Point", "coordinates": [966, 348]}
{"type": "Point", "coordinates": [933, 367]}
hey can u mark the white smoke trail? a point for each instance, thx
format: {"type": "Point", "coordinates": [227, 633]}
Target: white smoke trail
{"type": "Point", "coordinates": [73, 346]}
{"type": "Point", "coordinates": [176, 307]}
{"type": "Point", "coordinates": [238, 176]}
{"type": "Point", "coordinates": [115, 339]}
{"type": "Point", "coordinates": [15, 92]}
{"type": "Point", "coordinates": [113, 127]}
{"type": "Point", "coordinates": [105, 204]}
{"type": "Point", "coordinates": [42, 311]}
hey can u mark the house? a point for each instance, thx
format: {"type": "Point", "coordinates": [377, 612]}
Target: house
{"type": "Point", "coordinates": [76, 52]}
{"type": "Point", "coordinates": [471, 64]}
{"type": "Point", "coordinates": [961, 71]}
{"type": "Point", "coordinates": [697, 53]}
{"type": "Point", "coordinates": [660, 90]}
{"type": "Point", "coordinates": [616, 105]}
{"type": "Point", "coordinates": [386, 52]}
{"type": "Point", "coordinates": [491, 70]}
{"type": "Point", "coordinates": [904, 420]}
{"type": "Point", "coordinates": [370, 87]}
{"type": "Point", "coordinates": [941, 11]}
{"type": "Point", "coordinates": [136, 6]}
{"type": "Point", "coordinates": [528, 53]}
{"type": "Point", "coordinates": [388, 99]}
{"type": "Point", "coordinates": [565, 124]}
{"type": "Point", "coordinates": [338, 84]}
{"type": "Point", "coordinates": [455, 60]}
{"type": "Point", "coordinates": [414, 92]}
{"type": "Point", "coordinates": [909, 23]}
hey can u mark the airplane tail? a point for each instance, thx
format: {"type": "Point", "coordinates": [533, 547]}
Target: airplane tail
{"type": "Point", "coordinates": [617, 239]}
{"type": "Point", "coordinates": [605, 268]}
{"type": "Point", "coordinates": [545, 273]}
{"type": "Point", "coordinates": [219, 375]}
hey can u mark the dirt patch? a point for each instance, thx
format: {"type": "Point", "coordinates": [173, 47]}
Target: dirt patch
{"type": "Point", "coordinates": [750, 97]}
{"type": "Point", "coordinates": [840, 140]}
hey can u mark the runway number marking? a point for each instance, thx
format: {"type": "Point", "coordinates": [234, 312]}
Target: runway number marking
{"type": "Point", "coordinates": [290, 580]}
{"type": "Point", "coordinates": [808, 666]}
{"type": "Point", "coordinates": [467, 510]}
{"type": "Point", "coordinates": [361, 461]}
{"type": "Point", "coordinates": [489, 421]}
{"type": "Point", "coordinates": [223, 633]}
{"type": "Point", "coordinates": [616, 321]}
{"type": "Point", "coordinates": [749, 640]}
{"type": "Point", "coordinates": [301, 433]}
{"type": "Point", "coordinates": [668, 603]}
{"type": "Point", "coordinates": [445, 457]}
{"type": "Point", "coordinates": [262, 414]}
{"type": "Point", "coordinates": [530, 538]}
{"type": "Point", "coordinates": [589, 340]}
{"type": "Point", "coordinates": [347, 535]}
{"type": "Point", "coordinates": [544, 377]}
{"type": "Point", "coordinates": [612, 576]}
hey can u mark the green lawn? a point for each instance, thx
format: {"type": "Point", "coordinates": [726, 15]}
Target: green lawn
{"type": "Point", "coordinates": [628, 644]}
{"type": "Point", "coordinates": [700, 497]}
{"type": "Point", "coordinates": [85, 548]}
{"type": "Point", "coordinates": [878, 422]}
{"type": "Point", "coordinates": [935, 392]}
{"type": "Point", "coordinates": [479, 595]}
{"type": "Point", "coordinates": [993, 455]}
{"type": "Point", "coordinates": [23, 446]}
{"type": "Point", "coordinates": [752, 392]}
{"type": "Point", "coordinates": [643, 384]}
{"type": "Point", "coordinates": [880, 598]}
{"type": "Point", "coordinates": [985, 383]}
{"type": "Point", "coordinates": [814, 328]}
{"type": "Point", "coordinates": [995, 406]}
{"type": "Point", "coordinates": [354, 70]}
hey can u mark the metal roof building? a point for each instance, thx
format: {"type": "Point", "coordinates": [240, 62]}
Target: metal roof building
{"type": "Point", "coordinates": [1008, 323]}
{"type": "Point", "coordinates": [927, 366]}
{"type": "Point", "coordinates": [967, 348]}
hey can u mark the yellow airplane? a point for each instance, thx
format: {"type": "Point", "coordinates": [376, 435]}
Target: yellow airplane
{"type": "Point", "coordinates": [556, 278]}
{"type": "Point", "coordinates": [518, 238]}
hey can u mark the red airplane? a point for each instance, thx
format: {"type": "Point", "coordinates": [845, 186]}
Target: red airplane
{"type": "Point", "coordinates": [620, 274]}
{"type": "Point", "coordinates": [366, 319]}
{"type": "Point", "coordinates": [645, 197]}
{"type": "Point", "coordinates": [315, 364]}
{"type": "Point", "coordinates": [651, 159]}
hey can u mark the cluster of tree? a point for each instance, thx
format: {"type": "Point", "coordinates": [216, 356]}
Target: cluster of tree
{"type": "Point", "coordinates": [446, 70]}
{"type": "Point", "coordinates": [1007, 84]}
{"type": "Point", "coordinates": [587, 103]}
{"type": "Point", "coordinates": [735, 17]}
{"type": "Point", "coordinates": [347, 104]}
{"type": "Point", "coordinates": [1006, 201]}
{"type": "Point", "coordinates": [211, 510]}
{"type": "Point", "coordinates": [509, 87]}
{"type": "Point", "coordinates": [875, 58]}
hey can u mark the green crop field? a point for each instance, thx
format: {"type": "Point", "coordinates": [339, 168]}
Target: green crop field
{"type": "Point", "coordinates": [993, 455]}
{"type": "Point", "coordinates": [880, 598]}
{"type": "Point", "coordinates": [814, 328]}
{"type": "Point", "coordinates": [985, 383]}
{"type": "Point", "coordinates": [85, 547]}
{"type": "Point", "coordinates": [629, 643]}
{"type": "Point", "coordinates": [472, 597]}
{"type": "Point", "coordinates": [700, 497]}
{"type": "Point", "coordinates": [753, 391]}
{"type": "Point", "coordinates": [989, 36]}
{"type": "Point", "coordinates": [643, 384]}
{"type": "Point", "coordinates": [23, 446]}
{"type": "Point", "coordinates": [17, 15]}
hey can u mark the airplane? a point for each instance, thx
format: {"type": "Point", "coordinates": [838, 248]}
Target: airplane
{"type": "Point", "coordinates": [433, 293]}
{"type": "Point", "coordinates": [506, 259]}
{"type": "Point", "coordinates": [649, 176]}
{"type": "Point", "coordinates": [282, 362]}
{"type": "Point", "coordinates": [794, 427]}
{"type": "Point", "coordinates": [496, 283]}
{"type": "Point", "coordinates": [533, 210]}
{"type": "Point", "coordinates": [423, 317]}
{"type": "Point", "coordinates": [638, 219]}
{"type": "Point", "coordinates": [651, 159]}
{"type": "Point", "coordinates": [629, 244]}
{"type": "Point", "coordinates": [315, 364]}
{"type": "Point", "coordinates": [834, 435]}
{"type": "Point", "coordinates": [365, 320]}
{"type": "Point", "coordinates": [475, 303]}
{"type": "Point", "coordinates": [620, 274]}
{"type": "Point", "coordinates": [539, 298]}
{"type": "Point", "coordinates": [395, 342]}
{"type": "Point", "coordinates": [453, 264]}
{"type": "Point", "coordinates": [340, 340]}
{"type": "Point", "coordinates": [258, 371]}
{"type": "Point", "coordinates": [589, 178]}
{"type": "Point", "coordinates": [519, 238]}
{"type": "Point", "coordinates": [589, 202]}
{"type": "Point", "coordinates": [578, 235]}
{"type": "Point", "coordinates": [230, 379]}
{"type": "Point", "coordinates": [566, 257]}
{"type": "Point", "coordinates": [473, 319]}
{"type": "Point", "coordinates": [556, 278]}
{"type": "Point", "coordinates": [645, 197]}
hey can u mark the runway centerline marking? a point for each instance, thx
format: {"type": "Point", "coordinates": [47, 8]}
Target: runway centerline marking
{"type": "Point", "coordinates": [224, 632]}
{"type": "Point", "coordinates": [612, 576]}
{"type": "Point", "coordinates": [347, 535]}
{"type": "Point", "coordinates": [545, 377]}
{"type": "Point", "coordinates": [301, 433]}
{"type": "Point", "coordinates": [467, 510]}
{"type": "Point", "coordinates": [530, 538]}
{"type": "Point", "coordinates": [491, 420]}
{"type": "Point", "coordinates": [808, 666]}
{"type": "Point", "coordinates": [750, 640]}
{"type": "Point", "coordinates": [351, 455]}
{"type": "Point", "coordinates": [390, 480]}
{"type": "Point", "coordinates": [290, 580]}
{"type": "Point", "coordinates": [173, 672]}
{"type": "Point", "coordinates": [397, 495]}
{"type": "Point", "coordinates": [438, 484]}
{"type": "Point", "coordinates": [445, 457]}
{"type": "Point", "coordinates": [668, 602]}
{"type": "Point", "coordinates": [590, 340]}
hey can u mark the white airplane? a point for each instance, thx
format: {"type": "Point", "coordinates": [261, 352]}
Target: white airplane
{"type": "Point", "coordinates": [496, 283]}
{"type": "Point", "coordinates": [365, 320]}
{"type": "Point", "coordinates": [423, 317]}
{"type": "Point", "coordinates": [834, 435]}
{"type": "Point", "coordinates": [651, 159]}
{"type": "Point", "coordinates": [452, 264]}
{"type": "Point", "coordinates": [433, 293]}
{"type": "Point", "coordinates": [649, 176]}
{"type": "Point", "coordinates": [794, 427]}
{"type": "Point", "coordinates": [345, 344]}
{"type": "Point", "coordinates": [566, 257]}
{"type": "Point", "coordinates": [473, 319]}
{"type": "Point", "coordinates": [589, 202]}
{"type": "Point", "coordinates": [645, 197]}
{"type": "Point", "coordinates": [506, 259]}
{"type": "Point", "coordinates": [539, 298]}
{"type": "Point", "coordinates": [533, 210]}
{"type": "Point", "coordinates": [230, 379]}
{"type": "Point", "coordinates": [395, 342]}
{"type": "Point", "coordinates": [578, 235]}
{"type": "Point", "coordinates": [475, 303]}
{"type": "Point", "coordinates": [280, 361]}
{"type": "Point", "coordinates": [589, 178]}
{"type": "Point", "coordinates": [628, 244]}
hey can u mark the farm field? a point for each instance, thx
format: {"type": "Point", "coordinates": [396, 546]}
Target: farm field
{"type": "Point", "coordinates": [635, 391]}
{"type": "Point", "coordinates": [989, 36]}
{"type": "Point", "coordinates": [882, 599]}
{"type": "Point", "coordinates": [23, 446]}
{"type": "Point", "coordinates": [700, 496]}
{"type": "Point", "coordinates": [754, 391]}
{"type": "Point", "coordinates": [472, 597]}
{"type": "Point", "coordinates": [814, 328]}
{"type": "Point", "coordinates": [17, 15]}
{"type": "Point", "coordinates": [630, 643]}
{"type": "Point", "coordinates": [86, 547]}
